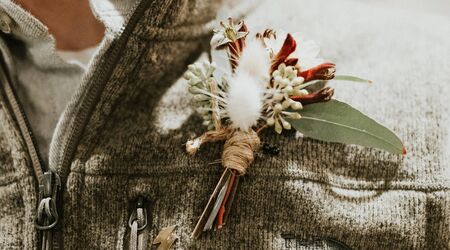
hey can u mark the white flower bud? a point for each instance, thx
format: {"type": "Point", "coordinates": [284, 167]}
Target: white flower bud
{"type": "Point", "coordinates": [295, 115]}
{"type": "Point", "coordinates": [296, 105]}
{"type": "Point", "coordinates": [278, 107]}
{"type": "Point", "coordinates": [285, 82]}
{"type": "Point", "coordinates": [271, 121]}
{"type": "Point", "coordinates": [303, 92]}
{"type": "Point", "coordinates": [278, 97]}
{"type": "Point", "coordinates": [276, 73]}
{"type": "Point", "coordinates": [289, 70]}
{"type": "Point", "coordinates": [300, 92]}
{"type": "Point", "coordinates": [277, 79]}
{"type": "Point", "coordinates": [286, 103]}
{"type": "Point", "coordinates": [278, 127]}
{"type": "Point", "coordinates": [286, 125]}
{"type": "Point", "coordinates": [298, 80]}
{"type": "Point", "coordinates": [187, 75]}
{"type": "Point", "coordinates": [192, 67]}
{"type": "Point", "coordinates": [288, 90]}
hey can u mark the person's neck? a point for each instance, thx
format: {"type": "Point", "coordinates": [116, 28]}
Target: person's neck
{"type": "Point", "coordinates": [71, 22]}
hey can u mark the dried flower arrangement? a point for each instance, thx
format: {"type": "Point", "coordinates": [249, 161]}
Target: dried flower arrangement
{"type": "Point", "coordinates": [271, 83]}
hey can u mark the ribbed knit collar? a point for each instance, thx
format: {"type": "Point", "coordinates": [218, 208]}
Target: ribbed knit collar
{"type": "Point", "coordinates": [36, 37]}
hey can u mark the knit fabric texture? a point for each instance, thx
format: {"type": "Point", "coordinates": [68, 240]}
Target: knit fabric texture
{"type": "Point", "coordinates": [312, 195]}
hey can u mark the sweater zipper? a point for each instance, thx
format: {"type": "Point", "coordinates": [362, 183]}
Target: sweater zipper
{"type": "Point", "coordinates": [48, 180]}
{"type": "Point", "coordinates": [137, 223]}
{"type": "Point", "coordinates": [63, 156]}
{"type": "Point", "coordinates": [51, 178]}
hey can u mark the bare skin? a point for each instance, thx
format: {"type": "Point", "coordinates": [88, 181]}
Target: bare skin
{"type": "Point", "coordinates": [71, 22]}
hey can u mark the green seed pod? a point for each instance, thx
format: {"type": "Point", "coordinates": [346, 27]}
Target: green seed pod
{"type": "Point", "coordinates": [194, 90]}
{"type": "Point", "coordinates": [201, 97]}
{"type": "Point", "coordinates": [278, 127]}
{"type": "Point", "coordinates": [270, 121]}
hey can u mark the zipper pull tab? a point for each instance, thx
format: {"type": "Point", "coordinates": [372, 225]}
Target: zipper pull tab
{"type": "Point", "coordinates": [47, 213]}
{"type": "Point", "coordinates": [137, 223]}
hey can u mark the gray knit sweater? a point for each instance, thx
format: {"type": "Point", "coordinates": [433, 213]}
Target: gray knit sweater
{"type": "Point", "coordinates": [121, 137]}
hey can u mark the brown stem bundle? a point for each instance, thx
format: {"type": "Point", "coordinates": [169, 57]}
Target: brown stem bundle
{"type": "Point", "coordinates": [237, 156]}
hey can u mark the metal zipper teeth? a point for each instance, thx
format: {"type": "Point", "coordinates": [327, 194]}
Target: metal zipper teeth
{"type": "Point", "coordinates": [24, 125]}
{"type": "Point", "coordinates": [87, 106]}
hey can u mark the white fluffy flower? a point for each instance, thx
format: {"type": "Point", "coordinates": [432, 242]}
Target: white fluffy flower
{"type": "Point", "coordinates": [255, 61]}
{"type": "Point", "coordinates": [307, 51]}
{"type": "Point", "coordinates": [247, 86]}
{"type": "Point", "coordinates": [245, 100]}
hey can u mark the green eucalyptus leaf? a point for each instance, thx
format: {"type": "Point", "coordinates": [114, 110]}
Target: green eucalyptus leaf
{"type": "Point", "coordinates": [335, 121]}
{"type": "Point", "coordinates": [350, 79]}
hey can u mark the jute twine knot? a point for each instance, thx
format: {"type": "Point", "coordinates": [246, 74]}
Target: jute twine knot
{"type": "Point", "coordinates": [239, 148]}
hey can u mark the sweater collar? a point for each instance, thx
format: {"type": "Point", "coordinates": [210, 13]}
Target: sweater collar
{"type": "Point", "coordinates": [24, 27]}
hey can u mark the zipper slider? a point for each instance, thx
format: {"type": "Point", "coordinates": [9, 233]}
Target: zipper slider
{"type": "Point", "coordinates": [47, 213]}
{"type": "Point", "coordinates": [137, 223]}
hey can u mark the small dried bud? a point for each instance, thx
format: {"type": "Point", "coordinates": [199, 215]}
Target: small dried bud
{"type": "Point", "coordinates": [278, 108]}
{"type": "Point", "coordinates": [295, 115]}
{"type": "Point", "coordinates": [322, 95]}
{"type": "Point", "coordinates": [323, 71]}
{"type": "Point", "coordinates": [296, 105]}
{"type": "Point", "coordinates": [271, 121]}
{"type": "Point", "coordinates": [286, 125]}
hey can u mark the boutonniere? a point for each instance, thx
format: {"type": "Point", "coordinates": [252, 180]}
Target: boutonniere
{"type": "Point", "coordinates": [274, 80]}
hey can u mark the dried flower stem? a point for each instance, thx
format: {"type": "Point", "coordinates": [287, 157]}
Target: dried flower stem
{"type": "Point", "coordinates": [231, 199]}
{"type": "Point", "coordinates": [206, 212]}
{"type": "Point", "coordinates": [224, 202]}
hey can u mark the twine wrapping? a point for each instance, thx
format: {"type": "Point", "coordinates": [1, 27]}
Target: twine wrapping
{"type": "Point", "coordinates": [192, 146]}
{"type": "Point", "coordinates": [238, 151]}
{"type": "Point", "coordinates": [239, 148]}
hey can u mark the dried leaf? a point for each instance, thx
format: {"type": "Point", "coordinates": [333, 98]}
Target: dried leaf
{"type": "Point", "coordinates": [165, 238]}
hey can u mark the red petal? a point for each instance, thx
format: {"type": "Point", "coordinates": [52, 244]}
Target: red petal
{"type": "Point", "coordinates": [288, 47]}
{"type": "Point", "coordinates": [323, 71]}
{"type": "Point", "coordinates": [291, 61]}
{"type": "Point", "coordinates": [235, 48]}
{"type": "Point", "coordinates": [322, 95]}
